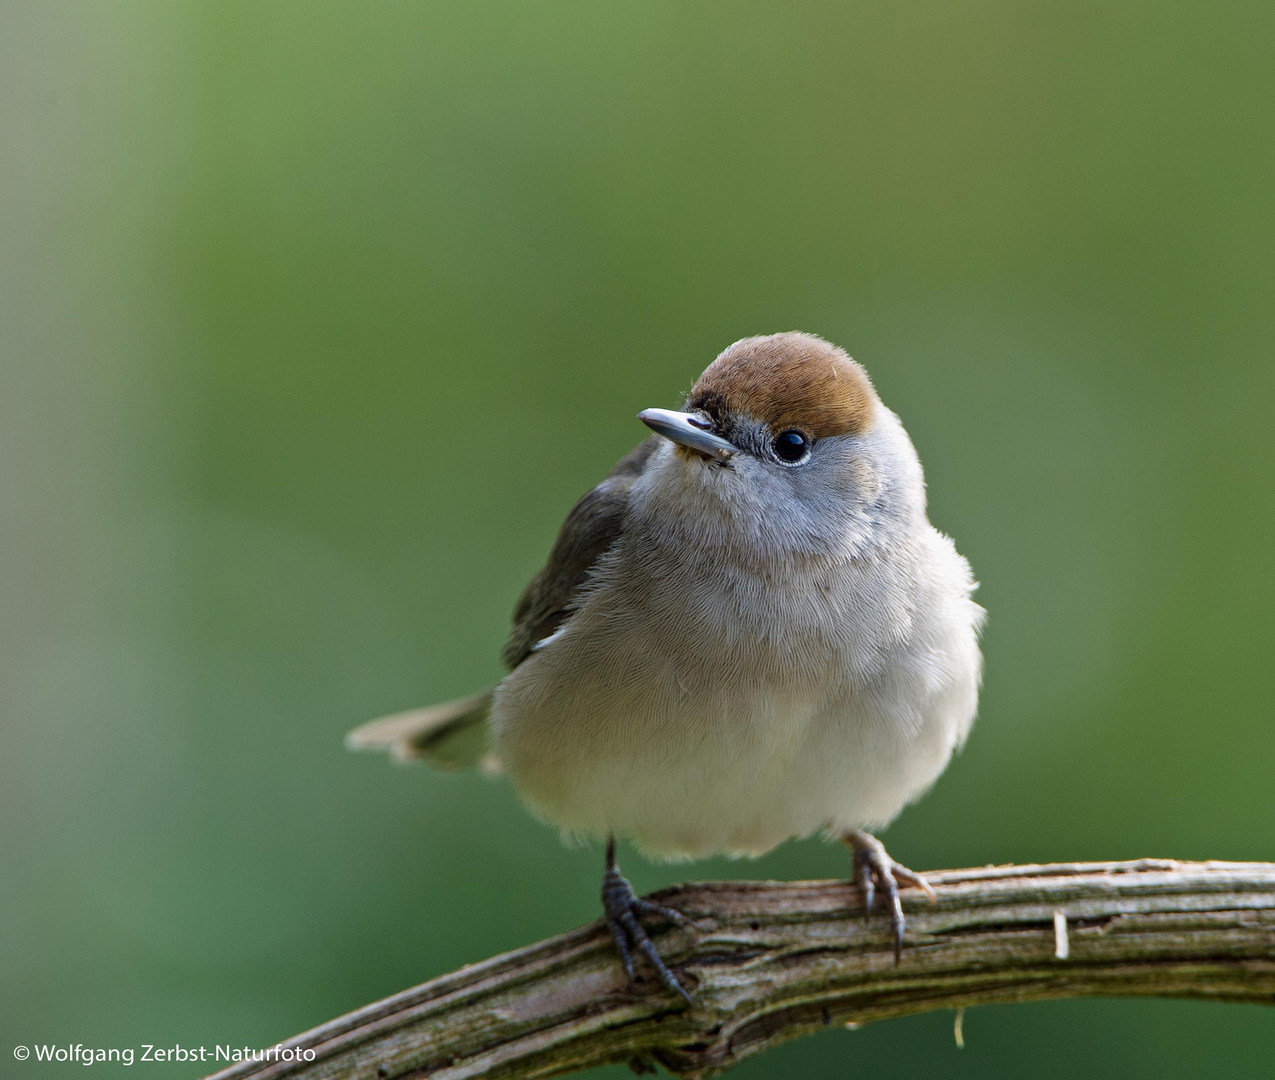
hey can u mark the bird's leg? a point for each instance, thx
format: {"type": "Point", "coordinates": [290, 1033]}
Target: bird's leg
{"type": "Point", "coordinates": [622, 906]}
{"type": "Point", "coordinates": [873, 869]}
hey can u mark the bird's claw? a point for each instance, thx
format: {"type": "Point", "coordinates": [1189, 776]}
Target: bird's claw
{"type": "Point", "coordinates": [621, 907]}
{"type": "Point", "coordinates": [873, 870]}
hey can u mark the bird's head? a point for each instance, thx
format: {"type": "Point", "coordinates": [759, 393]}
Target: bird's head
{"type": "Point", "coordinates": [784, 443]}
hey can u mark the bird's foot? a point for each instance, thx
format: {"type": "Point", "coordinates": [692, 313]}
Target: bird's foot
{"type": "Point", "coordinates": [873, 870]}
{"type": "Point", "coordinates": [622, 906]}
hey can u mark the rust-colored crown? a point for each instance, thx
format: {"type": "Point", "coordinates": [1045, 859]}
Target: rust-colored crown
{"type": "Point", "coordinates": [790, 380]}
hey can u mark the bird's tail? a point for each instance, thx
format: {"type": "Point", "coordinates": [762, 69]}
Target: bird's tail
{"type": "Point", "coordinates": [448, 736]}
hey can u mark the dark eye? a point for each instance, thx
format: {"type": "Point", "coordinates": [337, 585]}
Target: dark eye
{"type": "Point", "coordinates": [791, 446]}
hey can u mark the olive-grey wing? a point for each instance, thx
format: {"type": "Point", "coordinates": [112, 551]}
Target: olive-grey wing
{"type": "Point", "coordinates": [455, 734]}
{"type": "Point", "coordinates": [594, 524]}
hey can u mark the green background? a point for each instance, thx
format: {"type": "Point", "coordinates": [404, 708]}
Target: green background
{"type": "Point", "coordinates": [315, 318]}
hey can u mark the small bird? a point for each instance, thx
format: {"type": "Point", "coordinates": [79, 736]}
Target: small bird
{"type": "Point", "coordinates": [748, 632]}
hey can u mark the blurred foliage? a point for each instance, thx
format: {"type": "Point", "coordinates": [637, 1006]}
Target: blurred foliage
{"type": "Point", "coordinates": [315, 319]}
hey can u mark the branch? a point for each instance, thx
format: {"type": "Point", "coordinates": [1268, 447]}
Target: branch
{"type": "Point", "coordinates": [773, 961]}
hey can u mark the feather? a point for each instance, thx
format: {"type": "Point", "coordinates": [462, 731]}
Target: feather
{"type": "Point", "coordinates": [452, 735]}
{"type": "Point", "coordinates": [455, 734]}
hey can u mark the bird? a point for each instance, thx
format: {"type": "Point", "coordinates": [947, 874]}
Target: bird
{"type": "Point", "coordinates": [748, 632]}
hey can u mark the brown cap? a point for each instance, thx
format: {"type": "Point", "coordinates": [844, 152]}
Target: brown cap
{"type": "Point", "coordinates": [790, 380]}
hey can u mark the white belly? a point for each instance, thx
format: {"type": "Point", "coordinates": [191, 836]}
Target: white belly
{"type": "Point", "coordinates": [699, 724]}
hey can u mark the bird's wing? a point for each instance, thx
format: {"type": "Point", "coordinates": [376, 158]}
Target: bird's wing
{"type": "Point", "coordinates": [454, 734]}
{"type": "Point", "coordinates": [594, 524]}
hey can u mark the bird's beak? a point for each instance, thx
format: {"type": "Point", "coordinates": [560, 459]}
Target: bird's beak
{"type": "Point", "coordinates": [689, 430]}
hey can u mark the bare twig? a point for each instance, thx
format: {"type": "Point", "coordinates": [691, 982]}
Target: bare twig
{"type": "Point", "coordinates": [773, 961]}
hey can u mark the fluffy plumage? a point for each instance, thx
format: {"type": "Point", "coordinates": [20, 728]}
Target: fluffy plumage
{"type": "Point", "coordinates": [721, 655]}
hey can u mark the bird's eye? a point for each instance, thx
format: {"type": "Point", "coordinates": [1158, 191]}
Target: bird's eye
{"type": "Point", "coordinates": [791, 446]}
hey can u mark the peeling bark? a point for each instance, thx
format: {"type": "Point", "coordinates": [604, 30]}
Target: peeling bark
{"type": "Point", "coordinates": [773, 961]}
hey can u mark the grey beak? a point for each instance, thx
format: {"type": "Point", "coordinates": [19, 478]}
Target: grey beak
{"type": "Point", "coordinates": [687, 429]}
